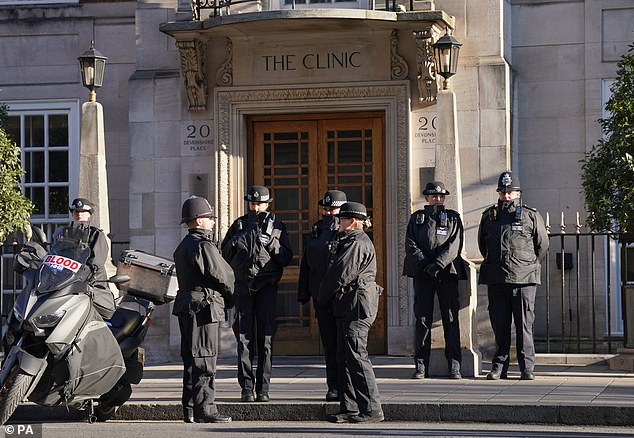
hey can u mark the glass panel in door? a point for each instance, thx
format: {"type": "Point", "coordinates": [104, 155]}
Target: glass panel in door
{"type": "Point", "coordinates": [299, 161]}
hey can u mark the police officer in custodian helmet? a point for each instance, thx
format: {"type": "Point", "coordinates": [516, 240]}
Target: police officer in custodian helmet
{"type": "Point", "coordinates": [312, 269]}
{"type": "Point", "coordinates": [258, 248]}
{"type": "Point", "coordinates": [433, 244]}
{"type": "Point", "coordinates": [513, 239]}
{"type": "Point", "coordinates": [205, 289]}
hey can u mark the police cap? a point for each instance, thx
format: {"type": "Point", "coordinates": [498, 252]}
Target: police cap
{"type": "Point", "coordinates": [435, 188]}
{"type": "Point", "coordinates": [81, 204]}
{"type": "Point", "coordinates": [353, 209]}
{"type": "Point", "coordinates": [258, 194]}
{"type": "Point", "coordinates": [333, 198]}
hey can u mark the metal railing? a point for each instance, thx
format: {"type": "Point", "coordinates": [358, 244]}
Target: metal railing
{"type": "Point", "coordinates": [580, 290]}
{"type": "Point", "coordinates": [223, 7]}
{"type": "Point", "coordinates": [9, 279]}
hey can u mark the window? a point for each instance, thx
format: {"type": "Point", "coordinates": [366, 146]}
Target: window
{"type": "Point", "coordinates": [48, 136]}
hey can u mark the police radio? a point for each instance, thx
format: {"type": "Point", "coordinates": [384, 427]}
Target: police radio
{"type": "Point", "coordinates": [442, 230]}
{"type": "Point", "coordinates": [333, 245]}
{"type": "Point", "coordinates": [517, 223]}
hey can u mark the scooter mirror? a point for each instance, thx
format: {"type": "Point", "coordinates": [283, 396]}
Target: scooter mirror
{"type": "Point", "coordinates": [119, 278]}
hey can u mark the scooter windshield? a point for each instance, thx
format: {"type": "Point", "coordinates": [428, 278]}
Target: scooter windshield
{"type": "Point", "coordinates": [66, 260]}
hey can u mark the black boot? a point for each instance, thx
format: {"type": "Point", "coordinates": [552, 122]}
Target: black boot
{"type": "Point", "coordinates": [495, 374]}
{"type": "Point", "coordinates": [213, 418]}
{"type": "Point", "coordinates": [332, 394]}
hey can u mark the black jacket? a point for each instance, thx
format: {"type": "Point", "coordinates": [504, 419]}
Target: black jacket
{"type": "Point", "coordinates": [349, 284]}
{"type": "Point", "coordinates": [432, 238]}
{"type": "Point", "coordinates": [315, 258]}
{"type": "Point", "coordinates": [204, 277]}
{"type": "Point", "coordinates": [258, 248]}
{"type": "Point", "coordinates": [98, 249]}
{"type": "Point", "coordinates": [512, 242]}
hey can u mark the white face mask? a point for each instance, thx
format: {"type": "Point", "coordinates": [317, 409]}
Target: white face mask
{"type": "Point", "coordinates": [81, 215]}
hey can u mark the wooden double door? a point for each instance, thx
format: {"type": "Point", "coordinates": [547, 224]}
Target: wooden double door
{"type": "Point", "coordinates": [300, 157]}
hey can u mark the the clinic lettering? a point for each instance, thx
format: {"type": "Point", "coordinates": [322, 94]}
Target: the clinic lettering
{"type": "Point", "coordinates": [312, 61]}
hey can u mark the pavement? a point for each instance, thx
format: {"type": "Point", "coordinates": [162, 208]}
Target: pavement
{"type": "Point", "coordinates": [582, 391]}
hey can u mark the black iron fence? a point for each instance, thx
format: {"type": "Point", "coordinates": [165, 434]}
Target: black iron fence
{"type": "Point", "coordinates": [10, 281]}
{"type": "Point", "coordinates": [224, 7]}
{"type": "Point", "coordinates": [581, 302]}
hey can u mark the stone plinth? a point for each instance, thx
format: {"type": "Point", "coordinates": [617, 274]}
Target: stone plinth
{"type": "Point", "coordinates": [93, 178]}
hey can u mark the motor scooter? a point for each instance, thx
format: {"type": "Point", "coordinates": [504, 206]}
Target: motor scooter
{"type": "Point", "coordinates": [58, 349]}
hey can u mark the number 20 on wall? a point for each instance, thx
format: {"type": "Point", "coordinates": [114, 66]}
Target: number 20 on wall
{"type": "Point", "coordinates": [203, 131]}
{"type": "Point", "coordinates": [424, 123]}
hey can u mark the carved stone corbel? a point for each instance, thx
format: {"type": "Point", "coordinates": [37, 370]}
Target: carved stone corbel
{"type": "Point", "coordinates": [193, 68]}
{"type": "Point", "coordinates": [224, 75]}
{"type": "Point", "coordinates": [426, 77]}
{"type": "Point", "coordinates": [399, 67]}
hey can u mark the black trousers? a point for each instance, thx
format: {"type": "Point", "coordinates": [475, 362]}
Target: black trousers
{"type": "Point", "coordinates": [328, 333]}
{"type": "Point", "coordinates": [517, 302]}
{"type": "Point", "coordinates": [254, 328]}
{"type": "Point", "coordinates": [358, 390]}
{"type": "Point", "coordinates": [199, 371]}
{"type": "Point", "coordinates": [425, 288]}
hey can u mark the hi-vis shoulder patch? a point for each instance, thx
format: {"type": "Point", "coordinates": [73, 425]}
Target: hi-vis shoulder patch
{"type": "Point", "coordinates": [491, 213]}
{"type": "Point", "coordinates": [420, 217]}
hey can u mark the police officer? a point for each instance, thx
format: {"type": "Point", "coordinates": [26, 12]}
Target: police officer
{"type": "Point", "coordinates": [312, 269]}
{"type": "Point", "coordinates": [432, 246]}
{"type": "Point", "coordinates": [258, 248]}
{"type": "Point", "coordinates": [349, 287]}
{"type": "Point", "coordinates": [512, 239]}
{"type": "Point", "coordinates": [81, 210]}
{"type": "Point", "coordinates": [205, 289]}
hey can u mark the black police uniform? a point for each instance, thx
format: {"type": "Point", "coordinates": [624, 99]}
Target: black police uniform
{"type": "Point", "coordinates": [102, 297]}
{"type": "Point", "coordinates": [205, 289]}
{"type": "Point", "coordinates": [312, 270]}
{"type": "Point", "coordinates": [258, 248]}
{"type": "Point", "coordinates": [432, 245]}
{"type": "Point", "coordinates": [349, 286]}
{"type": "Point", "coordinates": [512, 239]}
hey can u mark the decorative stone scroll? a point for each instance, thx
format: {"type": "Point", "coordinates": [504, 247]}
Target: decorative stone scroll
{"type": "Point", "coordinates": [193, 60]}
{"type": "Point", "coordinates": [224, 75]}
{"type": "Point", "coordinates": [426, 77]}
{"type": "Point", "coordinates": [399, 69]}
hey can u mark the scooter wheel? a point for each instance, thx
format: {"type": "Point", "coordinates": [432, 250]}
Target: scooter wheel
{"type": "Point", "coordinates": [105, 413]}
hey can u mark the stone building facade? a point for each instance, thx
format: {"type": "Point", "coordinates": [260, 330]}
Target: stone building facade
{"type": "Point", "coordinates": [312, 98]}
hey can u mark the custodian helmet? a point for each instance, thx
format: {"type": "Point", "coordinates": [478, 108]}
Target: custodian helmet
{"type": "Point", "coordinates": [195, 207]}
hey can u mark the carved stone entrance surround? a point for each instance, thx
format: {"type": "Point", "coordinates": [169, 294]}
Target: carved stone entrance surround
{"type": "Point", "coordinates": [233, 105]}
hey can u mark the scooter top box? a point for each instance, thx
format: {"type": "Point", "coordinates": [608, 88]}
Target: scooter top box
{"type": "Point", "coordinates": [151, 277]}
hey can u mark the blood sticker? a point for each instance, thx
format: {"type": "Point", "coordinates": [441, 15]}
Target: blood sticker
{"type": "Point", "coordinates": [60, 263]}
